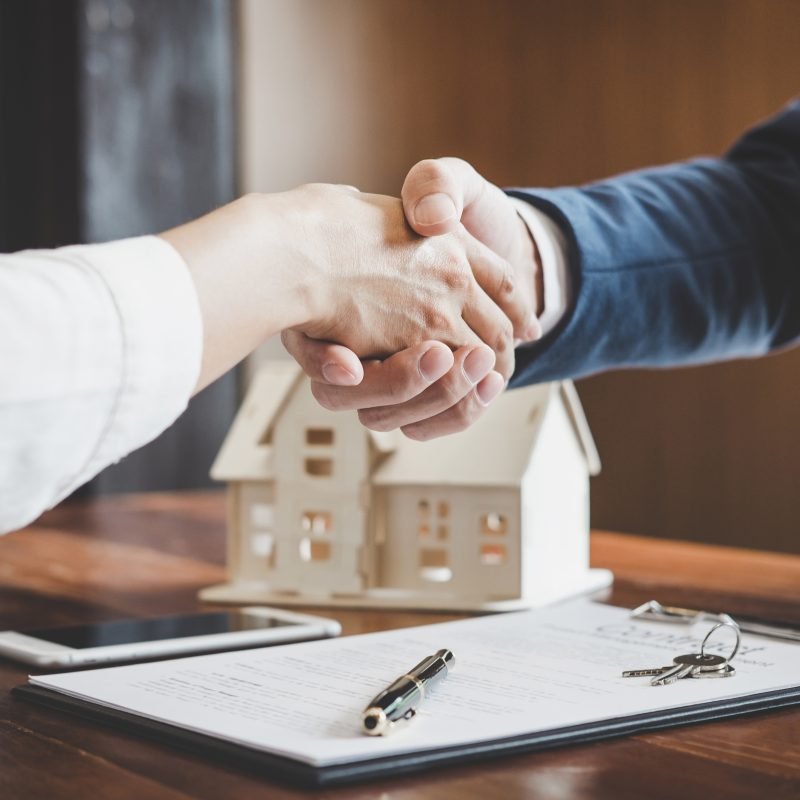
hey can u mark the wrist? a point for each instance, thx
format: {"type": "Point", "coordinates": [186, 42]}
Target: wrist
{"type": "Point", "coordinates": [246, 267]}
{"type": "Point", "coordinates": [554, 285]}
{"type": "Point", "coordinates": [302, 215]}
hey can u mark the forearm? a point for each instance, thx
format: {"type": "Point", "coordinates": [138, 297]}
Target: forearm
{"type": "Point", "coordinates": [684, 264]}
{"type": "Point", "coordinates": [252, 269]}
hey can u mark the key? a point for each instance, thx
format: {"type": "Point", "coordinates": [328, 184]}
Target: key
{"type": "Point", "coordinates": [646, 673]}
{"type": "Point", "coordinates": [727, 672]}
{"type": "Point", "coordinates": [686, 665]}
{"type": "Point", "coordinates": [704, 664]}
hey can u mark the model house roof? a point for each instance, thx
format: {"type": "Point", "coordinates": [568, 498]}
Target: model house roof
{"type": "Point", "coordinates": [494, 451]}
{"type": "Point", "coordinates": [246, 453]}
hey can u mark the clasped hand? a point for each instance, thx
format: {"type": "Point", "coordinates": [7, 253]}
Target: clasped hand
{"type": "Point", "coordinates": [428, 303]}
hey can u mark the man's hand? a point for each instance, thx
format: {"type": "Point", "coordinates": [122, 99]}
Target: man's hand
{"type": "Point", "coordinates": [376, 287]}
{"type": "Point", "coordinates": [438, 197]}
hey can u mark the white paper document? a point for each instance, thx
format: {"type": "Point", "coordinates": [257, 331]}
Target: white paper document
{"type": "Point", "coordinates": [514, 674]}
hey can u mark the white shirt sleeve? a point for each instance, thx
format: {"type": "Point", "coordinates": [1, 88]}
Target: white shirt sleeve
{"type": "Point", "coordinates": [100, 349]}
{"type": "Point", "coordinates": [552, 247]}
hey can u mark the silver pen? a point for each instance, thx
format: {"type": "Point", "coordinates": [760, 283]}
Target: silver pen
{"type": "Point", "coordinates": [399, 701]}
{"type": "Point", "coordinates": [653, 610]}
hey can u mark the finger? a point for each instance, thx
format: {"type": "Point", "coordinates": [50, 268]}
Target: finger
{"type": "Point", "coordinates": [460, 416]}
{"type": "Point", "coordinates": [496, 277]}
{"type": "Point", "coordinates": [492, 327]}
{"type": "Point", "coordinates": [394, 380]}
{"type": "Point", "coordinates": [436, 192]}
{"type": "Point", "coordinates": [324, 361]}
{"type": "Point", "coordinates": [470, 366]}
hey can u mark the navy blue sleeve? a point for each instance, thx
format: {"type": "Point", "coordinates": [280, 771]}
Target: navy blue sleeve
{"type": "Point", "coordinates": [683, 264]}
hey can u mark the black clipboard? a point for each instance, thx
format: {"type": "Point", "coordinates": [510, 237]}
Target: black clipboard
{"type": "Point", "coordinates": [299, 774]}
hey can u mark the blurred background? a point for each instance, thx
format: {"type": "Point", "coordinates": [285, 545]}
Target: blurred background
{"type": "Point", "coordinates": [119, 117]}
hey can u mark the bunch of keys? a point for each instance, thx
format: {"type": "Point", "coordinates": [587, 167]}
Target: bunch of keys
{"type": "Point", "coordinates": [693, 665]}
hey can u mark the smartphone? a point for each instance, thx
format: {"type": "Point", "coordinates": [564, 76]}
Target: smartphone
{"type": "Point", "coordinates": [132, 639]}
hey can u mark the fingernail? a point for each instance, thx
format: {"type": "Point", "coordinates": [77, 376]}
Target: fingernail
{"type": "Point", "coordinates": [434, 363]}
{"type": "Point", "coordinates": [478, 363]}
{"type": "Point", "coordinates": [338, 375]}
{"type": "Point", "coordinates": [490, 387]}
{"type": "Point", "coordinates": [433, 209]}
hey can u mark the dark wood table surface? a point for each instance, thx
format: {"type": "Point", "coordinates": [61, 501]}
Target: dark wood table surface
{"type": "Point", "coordinates": [149, 554]}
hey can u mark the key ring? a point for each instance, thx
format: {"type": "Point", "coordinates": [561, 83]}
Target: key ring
{"type": "Point", "coordinates": [727, 623]}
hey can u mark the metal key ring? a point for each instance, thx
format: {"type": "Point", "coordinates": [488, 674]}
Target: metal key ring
{"type": "Point", "coordinates": [728, 623]}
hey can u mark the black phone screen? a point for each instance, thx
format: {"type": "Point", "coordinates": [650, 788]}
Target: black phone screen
{"type": "Point", "coordinates": [127, 631]}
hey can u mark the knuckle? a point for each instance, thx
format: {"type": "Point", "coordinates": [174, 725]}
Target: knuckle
{"type": "Point", "coordinates": [504, 340]}
{"type": "Point", "coordinates": [506, 282]}
{"type": "Point", "coordinates": [430, 170]}
{"type": "Point", "coordinates": [436, 321]}
{"type": "Point", "coordinates": [458, 279]}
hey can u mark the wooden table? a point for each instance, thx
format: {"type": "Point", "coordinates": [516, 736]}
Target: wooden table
{"type": "Point", "coordinates": [149, 554]}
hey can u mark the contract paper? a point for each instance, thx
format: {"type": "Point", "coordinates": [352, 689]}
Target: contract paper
{"type": "Point", "coordinates": [515, 674]}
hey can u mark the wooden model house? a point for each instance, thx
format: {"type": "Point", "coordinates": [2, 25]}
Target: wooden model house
{"type": "Point", "coordinates": [324, 511]}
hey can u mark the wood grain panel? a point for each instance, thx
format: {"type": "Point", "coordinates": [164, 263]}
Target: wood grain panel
{"type": "Point", "coordinates": [542, 93]}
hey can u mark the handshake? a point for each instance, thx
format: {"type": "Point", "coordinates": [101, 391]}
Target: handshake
{"type": "Point", "coordinates": [410, 309]}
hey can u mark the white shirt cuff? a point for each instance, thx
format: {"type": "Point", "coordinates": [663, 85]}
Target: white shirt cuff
{"type": "Point", "coordinates": [162, 342]}
{"type": "Point", "coordinates": [552, 248]}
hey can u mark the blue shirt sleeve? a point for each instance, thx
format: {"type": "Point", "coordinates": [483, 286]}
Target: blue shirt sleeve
{"type": "Point", "coordinates": [683, 264]}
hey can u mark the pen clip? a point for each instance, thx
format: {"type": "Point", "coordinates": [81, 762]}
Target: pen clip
{"type": "Point", "coordinates": [376, 723]}
{"type": "Point", "coordinates": [400, 722]}
{"type": "Point", "coordinates": [653, 610]}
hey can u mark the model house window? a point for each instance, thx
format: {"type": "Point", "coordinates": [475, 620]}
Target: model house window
{"type": "Point", "coordinates": [319, 437]}
{"type": "Point", "coordinates": [493, 554]}
{"type": "Point", "coordinates": [434, 565]}
{"type": "Point", "coordinates": [494, 524]}
{"type": "Point", "coordinates": [442, 528]}
{"type": "Point", "coordinates": [318, 522]}
{"type": "Point", "coordinates": [319, 467]}
{"type": "Point", "coordinates": [315, 549]}
{"type": "Point", "coordinates": [263, 546]}
{"type": "Point", "coordinates": [423, 519]}
{"type": "Point", "coordinates": [262, 540]}
{"type": "Point", "coordinates": [262, 515]}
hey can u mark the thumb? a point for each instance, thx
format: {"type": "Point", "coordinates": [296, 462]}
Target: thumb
{"type": "Point", "coordinates": [440, 193]}
{"type": "Point", "coordinates": [434, 195]}
{"type": "Point", "coordinates": [325, 362]}
{"type": "Point", "coordinates": [485, 211]}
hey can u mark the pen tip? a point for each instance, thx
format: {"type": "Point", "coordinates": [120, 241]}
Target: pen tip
{"type": "Point", "coordinates": [374, 721]}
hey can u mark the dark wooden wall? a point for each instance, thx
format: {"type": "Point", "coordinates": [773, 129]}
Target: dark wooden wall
{"type": "Point", "coordinates": [536, 92]}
